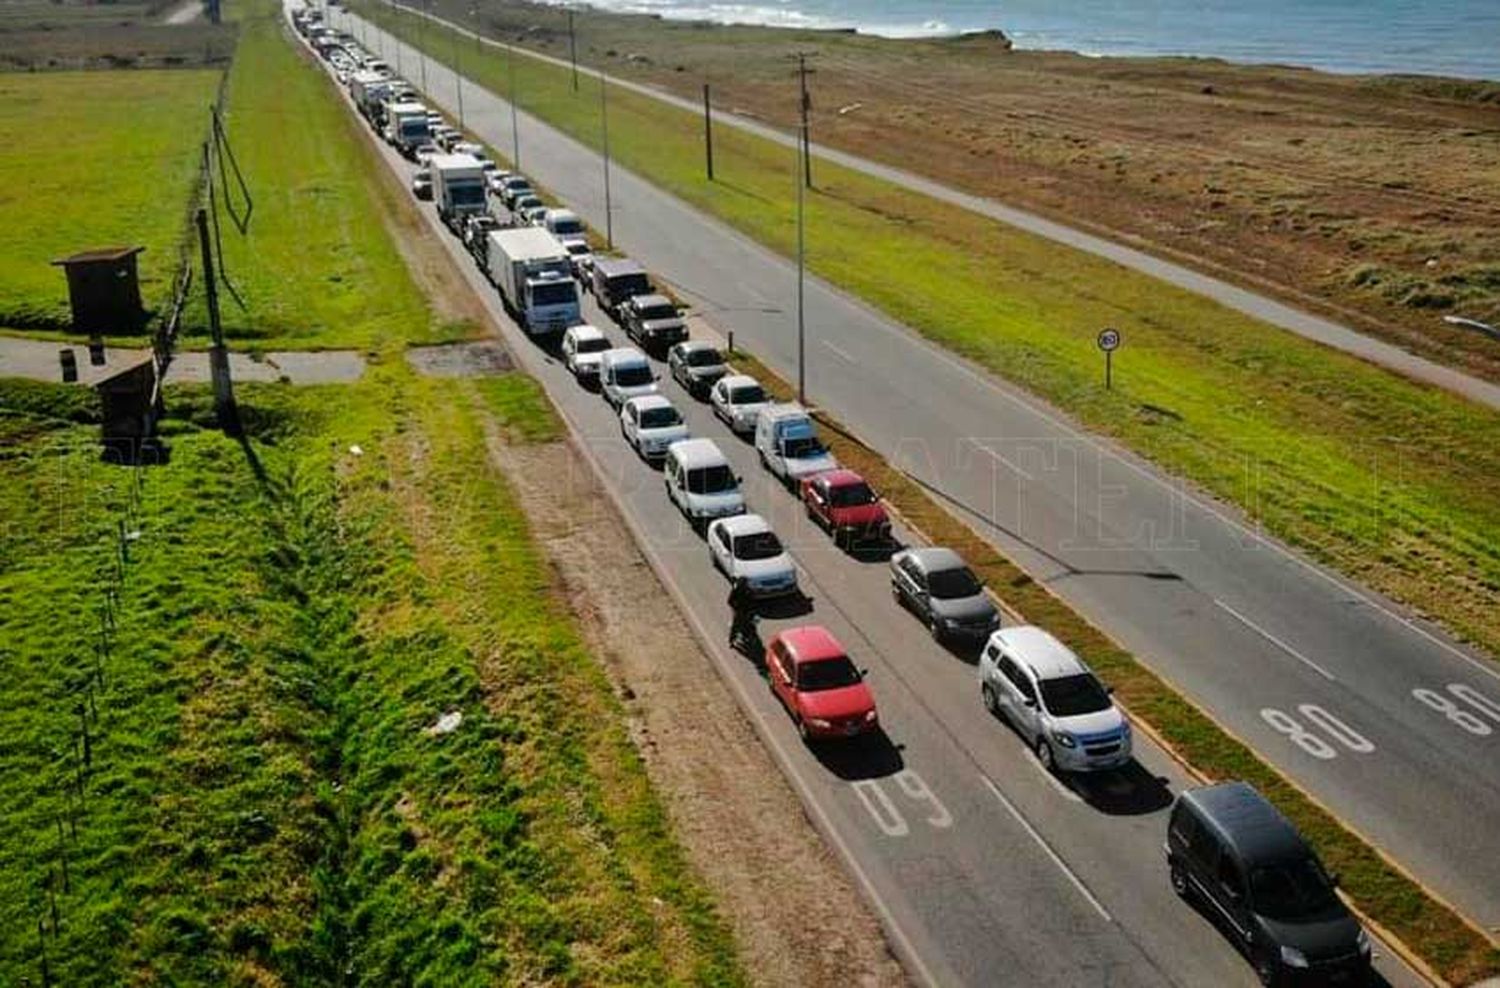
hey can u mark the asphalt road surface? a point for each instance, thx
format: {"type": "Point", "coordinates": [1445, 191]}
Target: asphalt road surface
{"type": "Point", "coordinates": [1381, 717]}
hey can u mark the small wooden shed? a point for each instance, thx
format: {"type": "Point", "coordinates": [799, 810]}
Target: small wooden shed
{"type": "Point", "coordinates": [104, 290]}
{"type": "Point", "coordinates": [128, 399]}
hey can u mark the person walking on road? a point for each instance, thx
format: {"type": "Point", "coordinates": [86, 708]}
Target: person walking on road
{"type": "Point", "coordinates": [742, 632]}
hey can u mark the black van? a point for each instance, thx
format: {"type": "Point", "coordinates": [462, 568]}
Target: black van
{"type": "Point", "coordinates": [1229, 848]}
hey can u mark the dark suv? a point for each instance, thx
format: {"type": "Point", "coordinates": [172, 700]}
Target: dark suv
{"type": "Point", "coordinates": [653, 321]}
{"type": "Point", "coordinates": [1233, 851]}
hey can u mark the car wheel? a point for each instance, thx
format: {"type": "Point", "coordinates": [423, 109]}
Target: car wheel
{"type": "Point", "coordinates": [1266, 969]}
{"type": "Point", "coordinates": [803, 732]}
{"type": "Point", "coordinates": [1179, 879]}
{"type": "Point", "coordinates": [761, 455]}
{"type": "Point", "coordinates": [935, 628]}
{"type": "Point", "coordinates": [1045, 757]}
{"type": "Point", "coordinates": [991, 701]}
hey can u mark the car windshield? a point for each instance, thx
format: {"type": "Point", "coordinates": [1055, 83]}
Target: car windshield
{"type": "Point", "coordinates": [704, 357]}
{"type": "Point", "coordinates": [554, 293]}
{"type": "Point", "coordinates": [1069, 696]}
{"type": "Point", "coordinates": [948, 584]}
{"type": "Point", "coordinates": [661, 417]}
{"type": "Point", "coordinates": [826, 674]}
{"type": "Point", "coordinates": [627, 285]}
{"type": "Point", "coordinates": [760, 545]}
{"type": "Point", "coordinates": [658, 312]}
{"type": "Point", "coordinates": [711, 480]}
{"type": "Point", "coordinates": [851, 495]}
{"type": "Point", "coordinates": [567, 226]}
{"type": "Point", "coordinates": [1291, 890]}
{"type": "Point", "coordinates": [527, 203]}
{"type": "Point", "coordinates": [633, 375]}
{"type": "Point", "coordinates": [578, 247]}
{"type": "Point", "coordinates": [802, 448]}
{"type": "Point", "coordinates": [517, 185]}
{"type": "Point", "coordinates": [750, 394]}
{"type": "Point", "coordinates": [466, 195]}
{"type": "Point", "coordinates": [592, 344]}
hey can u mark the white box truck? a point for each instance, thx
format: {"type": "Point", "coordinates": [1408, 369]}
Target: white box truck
{"type": "Point", "coordinates": [368, 89]}
{"type": "Point", "coordinates": [406, 126]}
{"type": "Point", "coordinates": [457, 187]}
{"type": "Point", "coordinates": [534, 276]}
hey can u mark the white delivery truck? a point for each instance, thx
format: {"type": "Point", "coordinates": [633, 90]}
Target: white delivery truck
{"type": "Point", "coordinates": [368, 89]}
{"type": "Point", "coordinates": [535, 279]}
{"type": "Point", "coordinates": [406, 126]}
{"type": "Point", "coordinates": [457, 187]}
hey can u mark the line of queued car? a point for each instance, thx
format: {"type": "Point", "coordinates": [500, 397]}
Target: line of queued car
{"type": "Point", "coordinates": [1226, 845]}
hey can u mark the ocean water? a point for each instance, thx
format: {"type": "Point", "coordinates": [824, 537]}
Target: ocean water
{"type": "Point", "coordinates": [1433, 37]}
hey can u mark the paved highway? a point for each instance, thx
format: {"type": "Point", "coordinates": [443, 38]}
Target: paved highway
{"type": "Point", "coordinates": [1251, 303]}
{"type": "Point", "coordinates": [1383, 718]}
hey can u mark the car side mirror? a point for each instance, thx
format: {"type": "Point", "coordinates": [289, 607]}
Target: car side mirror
{"type": "Point", "coordinates": [1109, 691]}
{"type": "Point", "coordinates": [1029, 702]}
{"type": "Point", "coordinates": [1333, 879]}
{"type": "Point", "coordinates": [864, 673]}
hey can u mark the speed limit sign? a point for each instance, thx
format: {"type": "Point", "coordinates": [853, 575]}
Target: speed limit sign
{"type": "Point", "coordinates": [1109, 340]}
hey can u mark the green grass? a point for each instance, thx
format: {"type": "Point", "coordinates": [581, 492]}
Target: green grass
{"type": "Point", "coordinates": [92, 160]}
{"type": "Point", "coordinates": [318, 268]}
{"type": "Point", "coordinates": [1391, 482]}
{"type": "Point", "coordinates": [265, 805]}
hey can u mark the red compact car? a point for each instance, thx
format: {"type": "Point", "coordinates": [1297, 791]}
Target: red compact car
{"type": "Point", "coordinates": [823, 691]}
{"type": "Point", "coordinates": [841, 501]}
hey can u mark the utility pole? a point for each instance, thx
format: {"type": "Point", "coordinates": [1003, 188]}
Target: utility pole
{"type": "Point", "coordinates": [474, 17]}
{"type": "Point", "coordinates": [573, 49]}
{"type": "Point", "coordinates": [218, 355]}
{"type": "Point", "coordinates": [801, 266]}
{"type": "Point", "coordinates": [422, 45]}
{"type": "Point", "coordinates": [515, 132]}
{"type": "Point", "coordinates": [806, 106]}
{"type": "Point", "coordinates": [458, 76]}
{"type": "Point", "coordinates": [396, 39]}
{"type": "Point", "coordinates": [708, 132]}
{"type": "Point", "coordinates": [609, 216]}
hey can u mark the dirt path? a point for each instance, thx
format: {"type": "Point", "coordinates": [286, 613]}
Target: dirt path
{"type": "Point", "coordinates": [797, 919]}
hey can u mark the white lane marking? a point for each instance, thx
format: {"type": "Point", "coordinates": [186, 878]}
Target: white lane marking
{"type": "Point", "coordinates": [918, 791]}
{"type": "Point", "coordinates": [840, 351]}
{"type": "Point", "coordinates": [1275, 641]}
{"type": "Point", "coordinates": [1083, 889]}
{"type": "Point", "coordinates": [1003, 461]}
{"type": "Point", "coordinates": [882, 810]}
{"type": "Point", "coordinates": [522, 348]}
{"type": "Point", "coordinates": [989, 383]}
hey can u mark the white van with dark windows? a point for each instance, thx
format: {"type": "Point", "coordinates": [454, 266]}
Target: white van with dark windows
{"type": "Point", "coordinates": [701, 482]}
{"type": "Point", "coordinates": [788, 444]}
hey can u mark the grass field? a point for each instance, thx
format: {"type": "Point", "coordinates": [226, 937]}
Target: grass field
{"type": "Point", "coordinates": [1391, 482]}
{"type": "Point", "coordinates": [94, 159]}
{"type": "Point", "coordinates": [260, 799]}
{"type": "Point", "coordinates": [318, 269]}
{"type": "Point", "coordinates": [264, 804]}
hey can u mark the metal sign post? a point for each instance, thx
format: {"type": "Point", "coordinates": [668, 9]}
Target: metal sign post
{"type": "Point", "coordinates": [1109, 342]}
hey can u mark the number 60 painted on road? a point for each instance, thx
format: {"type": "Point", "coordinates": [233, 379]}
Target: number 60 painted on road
{"type": "Point", "coordinates": [882, 808]}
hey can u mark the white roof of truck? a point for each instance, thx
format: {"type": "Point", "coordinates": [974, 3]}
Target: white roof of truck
{"type": "Point", "coordinates": [530, 241]}
{"type": "Point", "coordinates": [442, 162]}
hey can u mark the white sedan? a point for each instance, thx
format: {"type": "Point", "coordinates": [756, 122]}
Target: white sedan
{"type": "Point", "coordinates": [744, 546]}
{"type": "Point", "coordinates": [651, 423]}
{"type": "Point", "coordinates": [738, 400]}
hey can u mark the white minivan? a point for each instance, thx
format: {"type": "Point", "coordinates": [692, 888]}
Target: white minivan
{"type": "Point", "coordinates": [701, 482]}
{"type": "Point", "coordinates": [624, 372]}
{"type": "Point", "coordinates": [788, 444]}
{"type": "Point", "coordinates": [1057, 704]}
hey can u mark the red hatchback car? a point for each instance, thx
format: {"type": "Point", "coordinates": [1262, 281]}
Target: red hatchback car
{"type": "Point", "coordinates": [813, 678]}
{"type": "Point", "coordinates": [841, 501]}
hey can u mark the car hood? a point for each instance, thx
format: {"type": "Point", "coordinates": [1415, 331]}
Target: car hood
{"type": "Point", "coordinates": [765, 569]}
{"type": "Point", "coordinates": [707, 372]}
{"type": "Point", "coordinates": [1332, 933]}
{"type": "Point", "coordinates": [860, 514]}
{"type": "Point", "coordinates": [1106, 721]}
{"type": "Point", "coordinates": [662, 436]}
{"type": "Point", "coordinates": [806, 466]}
{"type": "Point", "coordinates": [635, 390]}
{"type": "Point", "coordinates": [748, 411]}
{"type": "Point", "coordinates": [723, 503]}
{"type": "Point", "coordinates": [654, 325]}
{"type": "Point", "coordinates": [837, 704]}
{"type": "Point", "coordinates": [966, 610]}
